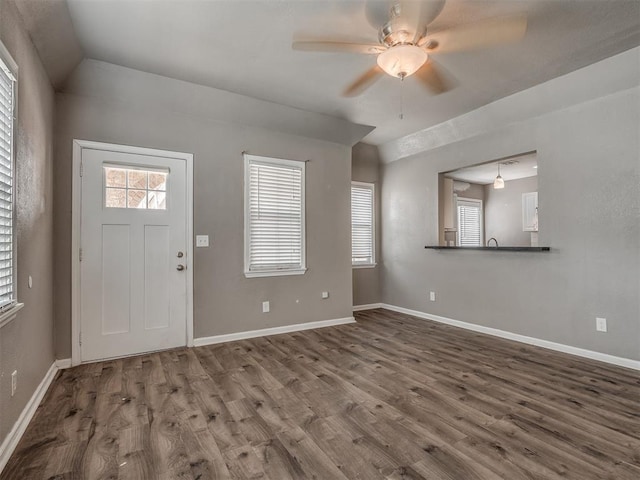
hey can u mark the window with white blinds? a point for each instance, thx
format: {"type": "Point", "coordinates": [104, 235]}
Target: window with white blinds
{"type": "Point", "coordinates": [470, 228]}
{"type": "Point", "coordinates": [274, 216]}
{"type": "Point", "coordinates": [7, 112]}
{"type": "Point", "coordinates": [362, 224]}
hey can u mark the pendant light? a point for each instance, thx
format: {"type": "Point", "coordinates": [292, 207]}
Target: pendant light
{"type": "Point", "coordinates": [499, 181]}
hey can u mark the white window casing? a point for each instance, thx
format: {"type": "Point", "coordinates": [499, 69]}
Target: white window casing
{"type": "Point", "coordinates": [8, 100]}
{"type": "Point", "coordinates": [362, 224]}
{"type": "Point", "coordinates": [274, 217]}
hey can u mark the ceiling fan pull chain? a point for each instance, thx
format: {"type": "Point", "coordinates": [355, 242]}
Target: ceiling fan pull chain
{"type": "Point", "coordinates": [402, 97]}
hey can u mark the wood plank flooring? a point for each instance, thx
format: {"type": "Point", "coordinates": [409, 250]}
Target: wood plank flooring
{"type": "Point", "coordinates": [391, 397]}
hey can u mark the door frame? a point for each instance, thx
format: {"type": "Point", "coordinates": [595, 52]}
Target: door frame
{"type": "Point", "coordinates": [76, 205]}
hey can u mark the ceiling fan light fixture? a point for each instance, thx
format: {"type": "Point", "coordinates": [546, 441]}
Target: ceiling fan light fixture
{"type": "Point", "coordinates": [402, 60]}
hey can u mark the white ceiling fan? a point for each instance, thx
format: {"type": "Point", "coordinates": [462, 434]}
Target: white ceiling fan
{"type": "Point", "coordinates": [405, 44]}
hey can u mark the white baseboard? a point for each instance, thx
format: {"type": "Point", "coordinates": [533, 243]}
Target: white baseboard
{"type": "Point", "coordinates": [63, 363]}
{"type": "Point", "coordinates": [559, 347]}
{"type": "Point", "coordinates": [13, 437]}
{"type": "Point", "coordinates": [230, 337]}
{"type": "Point", "coordinates": [368, 306]}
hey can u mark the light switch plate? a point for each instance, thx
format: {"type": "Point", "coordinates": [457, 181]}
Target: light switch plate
{"type": "Point", "coordinates": [202, 240]}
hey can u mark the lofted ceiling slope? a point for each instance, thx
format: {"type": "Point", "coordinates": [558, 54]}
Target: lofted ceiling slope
{"type": "Point", "coordinates": [245, 47]}
{"type": "Point", "coordinates": [49, 25]}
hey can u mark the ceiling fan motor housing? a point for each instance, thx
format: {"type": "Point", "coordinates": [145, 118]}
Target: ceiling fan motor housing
{"type": "Point", "coordinates": [390, 37]}
{"type": "Point", "coordinates": [407, 21]}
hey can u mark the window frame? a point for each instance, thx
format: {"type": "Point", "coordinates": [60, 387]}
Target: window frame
{"type": "Point", "coordinates": [372, 187]}
{"type": "Point", "coordinates": [274, 272]}
{"type": "Point", "coordinates": [9, 310]}
{"type": "Point", "coordinates": [478, 202]}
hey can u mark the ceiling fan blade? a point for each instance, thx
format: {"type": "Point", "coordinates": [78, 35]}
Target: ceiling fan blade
{"type": "Point", "coordinates": [476, 35]}
{"type": "Point", "coordinates": [363, 82]}
{"type": "Point", "coordinates": [342, 47]}
{"type": "Point", "coordinates": [434, 78]}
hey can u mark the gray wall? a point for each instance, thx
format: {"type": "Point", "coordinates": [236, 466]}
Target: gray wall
{"type": "Point", "coordinates": [365, 167]}
{"type": "Point", "coordinates": [474, 191]}
{"type": "Point", "coordinates": [588, 175]}
{"type": "Point", "coordinates": [224, 300]}
{"type": "Point", "coordinates": [503, 212]}
{"type": "Point", "coordinates": [26, 343]}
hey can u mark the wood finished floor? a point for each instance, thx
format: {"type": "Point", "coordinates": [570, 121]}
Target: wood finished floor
{"type": "Point", "coordinates": [391, 397]}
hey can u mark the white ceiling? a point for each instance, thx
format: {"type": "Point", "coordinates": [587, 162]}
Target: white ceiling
{"type": "Point", "coordinates": [513, 168]}
{"type": "Point", "coordinates": [245, 47]}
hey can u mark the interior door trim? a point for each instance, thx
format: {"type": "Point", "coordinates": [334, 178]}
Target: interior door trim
{"type": "Point", "coordinates": [76, 203]}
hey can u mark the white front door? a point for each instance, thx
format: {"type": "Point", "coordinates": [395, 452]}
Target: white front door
{"type": "Point", "coordinates": [133, 241]}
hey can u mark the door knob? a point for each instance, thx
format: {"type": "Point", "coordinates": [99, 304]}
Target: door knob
{"type": "Point", "coordinates": [180, 268]}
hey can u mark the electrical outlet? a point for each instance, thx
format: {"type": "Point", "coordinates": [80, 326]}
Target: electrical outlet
{"type": "Point", "coordinates": [325, 294]}
{"type": "Point", "coordinates": [266, 307]}
{"type": "Point", "coordinates": [432, 296]}
{"type": "Point", "coordinates": [14, 382]}
{"type": "Point", "coordinates": [202, 241]}
{"type": "Point", "coordinates": [601, 324]}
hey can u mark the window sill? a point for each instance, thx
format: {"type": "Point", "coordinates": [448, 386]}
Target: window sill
{"type": "Point", "coordinates": [364, 265]}
{"type": "Point", "coordinates": [10, 315]}
{"type": "Point", "coordinates": [275, 273]}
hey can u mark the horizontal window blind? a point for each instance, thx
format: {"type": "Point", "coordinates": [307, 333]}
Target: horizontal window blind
{"type": "Point", "coordinates": [275, 213]}
{"type": "Point", "coordinates": [469, 223]}
{"type": "Point", "coordinates": [362, 249]}
{"type": "Point", "coordinates": [7, 105]}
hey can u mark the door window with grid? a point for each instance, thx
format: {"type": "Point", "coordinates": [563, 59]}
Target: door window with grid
{"type": "Point", "coordinates": [135, 187]}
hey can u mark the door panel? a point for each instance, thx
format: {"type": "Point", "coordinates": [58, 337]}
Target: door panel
{"type": "Point", "coordinates": [133, 224]}
{"type": "Point", "coordinates": [156, 271]}
{"type": "Point", "coordinates": [116, 284]}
